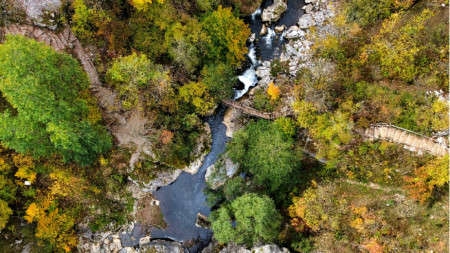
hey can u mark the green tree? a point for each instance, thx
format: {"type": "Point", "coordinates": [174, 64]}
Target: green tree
{"type": "Point", "coordinates": [131, 74]}
{"type": "Point", "coordinates": [228, 36]}
{"type": "Point", "coordinates": [197, 94]}
{"type": "Point", "coordinates": [251, 146]}
{"type": "Point", "coordinates": [220, 79]}
{"type": "Point", "coordinates": [45, 88]}
{"type": "Point", "coordinates": [256, 220]}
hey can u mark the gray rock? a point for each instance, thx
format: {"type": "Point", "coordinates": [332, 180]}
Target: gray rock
{"type": "Point", "coordinates": [231, 120]}
{"type": "Point", "coordinates": [280, 29]}
{"type": "Point", "coordinates": [144, 240]}
{"type": "Point", "coordinates": [291, 51]}
{"type": "Point", "coordinates": [216, 175]}
{"type": "Point", "coordinates": [319, 18]}
{"type": "Point", "coordinates": [127, 250]}
{"type": "Point", "coordinates": [263, 70]}
{"type": "Point", "coordinates": [294, 32]}
{"type": "Point", "coordinates": [269, 248]}
{"type": "Point", "coordinates": [308, 8]}
{"type": "Point", "coordinates": [161, 246]}
{"type": "Point", "coordinates": [274, 12]}
{"type": "Point", "coordinates": [306, 21]}
{"type": "Point", "coordinates": [263, 30]}
{"type": "Point", "coordinates": [37, 10]}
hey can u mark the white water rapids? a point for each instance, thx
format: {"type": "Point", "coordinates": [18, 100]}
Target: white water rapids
{"type": "Point", "coordinates": [248, 78]}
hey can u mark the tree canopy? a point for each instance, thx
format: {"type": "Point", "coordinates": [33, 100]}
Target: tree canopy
{"type": "Point", "coordinates": [49, 114]}
{"type": "Point", "coordinates": [249, 219]}
{"type": "Point", "coordinates": [264, 150]}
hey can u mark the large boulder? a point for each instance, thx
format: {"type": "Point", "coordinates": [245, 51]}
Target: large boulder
{"type": "Point", "coordinates": [274, 12]}
{"type": "Point", "coordinates": [43, 12]}
{"type": "Point", "coordinates": [161, 246]}
{"type": "Point", "coordinates": [294, 32]}
{"type": "Point", "coordinates": [216, 175]}
{"type": "Point", "coordinates": [233, 121]}
{"type": "Point", "coordinates": [268, 248]}
{"type": "Point", "coordinates": [306, 21]}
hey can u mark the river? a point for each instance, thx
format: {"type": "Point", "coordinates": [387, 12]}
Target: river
{"type": "Point", "coordinates": [182, 200]}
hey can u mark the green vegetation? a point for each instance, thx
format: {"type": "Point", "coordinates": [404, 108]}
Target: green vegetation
{"type": "Point", "coordinates": [250, 148]}
{"type": "Point", "coordinates": [50, 116]}
{"type": "Point", "coordinates": [255, 218]}
{"type": "Point", "coordinates": [170, 63]}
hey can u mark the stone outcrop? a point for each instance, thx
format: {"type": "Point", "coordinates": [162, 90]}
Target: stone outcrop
{"type": "Point", "coordinates": [217, 174]}
{"type": "Point", "coordinates": [42, 12]}
{"type": "Point", "coordinates": [233, 121]}
{"type": "Point", "coordinates": [294, 32]}
{"type": "Point", "coordinates": [273, 13]}
{"type": "Point", "coordinates": [162, 246]}
{"type": "Point", "coordinates": [231, 248]}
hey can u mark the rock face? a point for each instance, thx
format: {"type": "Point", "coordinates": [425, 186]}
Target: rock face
{"type": "Point", "coordinates": [42, 12]}
{"type": "Point", "coordinates": [231, 248]}
{"type": "Point", "coordinates": [274, 12]}
{"type": "Point", "coordinates": [294, 32]}
{"type": "Point", "coordinates": [232, 120]}
{"type": "Point", "coordinates": [161, 246]}
{"type": "Point", "coordinates": [217, 174]}
{"type": "Point", "coordinates": [306, 21]}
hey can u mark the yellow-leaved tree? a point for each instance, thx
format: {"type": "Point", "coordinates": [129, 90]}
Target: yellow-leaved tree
{"type": "Point", "coordinates": [142, 5]}
{"type": "Point", "coordinates": [273, 92]}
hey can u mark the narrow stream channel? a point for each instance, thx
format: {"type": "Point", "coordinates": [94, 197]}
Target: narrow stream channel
{"type": "Point", "coordinates": [182, 200]}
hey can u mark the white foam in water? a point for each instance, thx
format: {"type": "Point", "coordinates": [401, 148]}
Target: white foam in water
{"type": "Point", "coordinates": [256, 13]}
{"type": "Point", "coordinates": [269, 37]}
{"type": "Point", "coordinates": [248, 78]}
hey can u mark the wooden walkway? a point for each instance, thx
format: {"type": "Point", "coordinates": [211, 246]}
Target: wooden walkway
{"type": "Point", "coordinates": [255, 113]}
{"type": "Point", "coordinates": [411, 140]}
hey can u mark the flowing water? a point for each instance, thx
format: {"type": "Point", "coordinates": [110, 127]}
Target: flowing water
{"type": "Point", "coordinates": [182, 200]}
{"type": "Point", "coordinates": [266, 47]}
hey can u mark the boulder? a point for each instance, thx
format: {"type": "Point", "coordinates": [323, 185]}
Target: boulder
{"type": "Point", "coordinates": [294, 32]}
{"type": "Point", "coordinates": [231, 121]}
{"type": "Point", "coordinates": [263, 70]}
{"type": "Point", "coordinates": [306, 21]}
{"type": "Point", "coordinates": [216, 175]}
{"type": "Point", "coordinates": [202, 221]}
{"type": "Point", "coordinates": [319, 18]}
{"type": "Point", "coordinates": [144, 240]}
{"type": "Point", "coordinates": [128, 250]}
{"type": "Point", "coordinates": [268, 248]}
{"type": "Point", "coordinates": [291, 51]}
{"type": "Point", "coordinates": [43, 12]}
{"type": "Point", "coordinates": [263, 30]}
{"type": "Point", "coordinates": [280, 29]}
{"type": "Point", "coordinates": [274, 12]}
{"type": "Point", "coordinates": [308, 8]}
{"type": "Point", "coordinates": [162, 246]}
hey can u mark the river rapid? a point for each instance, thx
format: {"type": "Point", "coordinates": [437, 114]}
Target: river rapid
{"type": "Point", "coordinates": [183, 199]}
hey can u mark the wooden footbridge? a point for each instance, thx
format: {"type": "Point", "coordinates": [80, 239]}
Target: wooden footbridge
{"type": "Point", "coordinates": [255, 113]}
